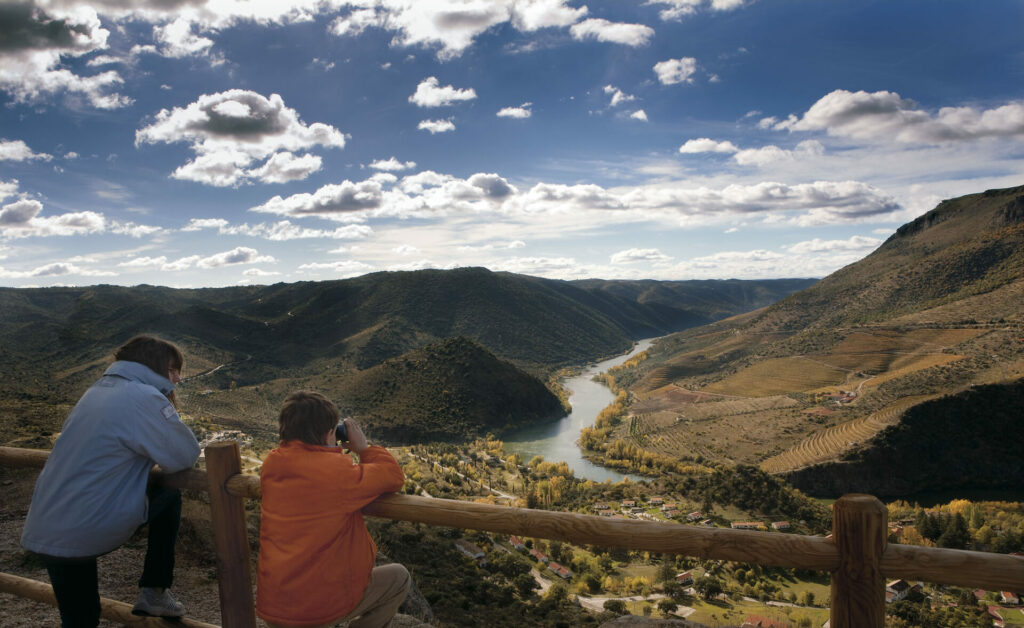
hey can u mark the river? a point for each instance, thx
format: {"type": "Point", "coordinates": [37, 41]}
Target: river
{"type": "Point", "coordinates": [557, 441]}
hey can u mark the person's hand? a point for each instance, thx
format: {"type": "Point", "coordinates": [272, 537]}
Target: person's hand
{"type": "Point", "coordinates": [356, 439]}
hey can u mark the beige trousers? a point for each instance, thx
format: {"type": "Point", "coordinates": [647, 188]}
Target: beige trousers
{"type": "Point", "coordinates": [388, 587]}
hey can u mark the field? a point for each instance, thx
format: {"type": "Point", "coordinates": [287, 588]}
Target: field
{"type": "Point", "coordinates": [830, 442]}
{"type": "Point", "coordinates": [779, 376]}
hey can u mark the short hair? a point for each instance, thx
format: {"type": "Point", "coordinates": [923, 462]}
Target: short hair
{"type": "Point", "coordinates": [157, 354]}
{"type": "Point", "coordinates": [307, 416]}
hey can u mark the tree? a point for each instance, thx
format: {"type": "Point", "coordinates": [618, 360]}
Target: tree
{"type": "Point", "coordinates": [708, 587]}
{"type": "Point", "coordinates": [615, 606]}
{"type": "Point", "coordinates": [525, 584]}
{"type": "Point", "coordinates": [807, 598]}
{"type": "Point", "coordinates": [667, 606]}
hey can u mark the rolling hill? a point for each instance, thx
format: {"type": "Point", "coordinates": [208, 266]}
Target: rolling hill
{"type": "Point", "coordinates": [936, 309]}
{"type": "Point", "coordinates": [56, 341]}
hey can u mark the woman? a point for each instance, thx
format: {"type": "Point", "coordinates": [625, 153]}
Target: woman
{"type": "Point", "coordinates": [91, 496]}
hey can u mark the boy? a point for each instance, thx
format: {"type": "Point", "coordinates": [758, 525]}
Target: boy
{"type": "Point", "coordinates": [316, 563]}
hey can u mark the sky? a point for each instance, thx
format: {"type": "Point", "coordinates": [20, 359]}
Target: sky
{"type": "Point", "coordinates": [208, 143]}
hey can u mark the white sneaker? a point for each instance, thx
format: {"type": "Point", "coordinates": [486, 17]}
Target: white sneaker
{"type": "Point", "coordinates": [157, 604]}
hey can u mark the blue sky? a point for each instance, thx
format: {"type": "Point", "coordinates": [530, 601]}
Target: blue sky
{"type": "Point", "coordinates": [197, 143]}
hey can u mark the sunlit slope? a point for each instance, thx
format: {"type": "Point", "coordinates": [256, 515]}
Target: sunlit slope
{"type": "Point", "coordinates": [939, 307]}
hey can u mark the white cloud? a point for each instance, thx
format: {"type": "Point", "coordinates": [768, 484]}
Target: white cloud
{"type": "Point", "coordinates": [285, 166]}
{"type": "Point", "coordinates": [773, 154]}
{"type": "Point", "coordinates": [639, 114]}
{"type": "Point", "coordinates": [707, 145]}
{"type": "Point", "coordinates": [429, 94]}
{"type": "Point", "coordinates": [522, 111]}
{"type": "Point", "coordinates": [256, 272]}
{"type": "Point", "coordinates": [237, 255]}
{"type": "Point", "coordinates": [341, 198]}
{"type": "Point", "coordinates": [854, 243]}
{"type": "Point", "coordinates": [177, 40]}
{"type": "Point", "coordinates": [543, 266]}
{"type": "Point", "coordinates": [132, 229]}
{"type": "Point", "coordinates": [618, 96]}
{"type": "Point", "coordinates": [36, 40]}
{"type": "Point", "coordinates": [613, 32]}
{"type": "Point", "coordinates": [55, 269]}
{"type": "Point", "coordinates": [341, 269]}
{"type": "Point", "coordinates": [280, 231]}
{"type": "Point", "coordinates": [674, 71]}
{"type": "Point", "coordinates": [392, 164]}
{"type": "Point", "coordinates": [531, 15]}
{"type": "Point", "coordinates": [231, 130]}
{"type": "Point", "coordinates": [677, 9]}
{"type": "Point", "coordinates": [436, 126]}
{"type": "Point", "coordinates": [17, 150]}
{"type": "Point", "coordinates": [21, 219]}
{"type": "Point", "coordinates": [406, 249]}
{"type": "Point", "coordinates": [885, 116]}
{"type": "Point", "coordinates": [630, 256]}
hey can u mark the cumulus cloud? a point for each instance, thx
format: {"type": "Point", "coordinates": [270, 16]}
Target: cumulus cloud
{"type": "Point", "coordinates": [707, 145]}
{"type": "Point", "coordinates": [341, 269]}
{"type": "Point", "coordinates": [674, 71]}
{"type": "Point", "coordinates": [543, 266]}
{"type": "Point", "coordinates": [35, 41]}
{"type": "Point", "coordinates": [17, 150]}
{"type": "Point", "coordinates": [854, 243]}
{"type": "Point", "coordinates": [677, 9]}
{"type": "Point", "coordinates": [237, 255]}
{"type": "Point", "coordinates": [329, 200]}
{"type": "Point", "coordinates": [634, 35]}
{"type": "Point", "coordinates": [885, 116]}
{"type": "Point", "coordinates": [630, 256]}
{"type": "Point", "coordinates": [392, 165]}
{"type": "Point", "coordinates": [452, 25]}
{"type": "Point", "coordinates": [522, 111]}
{"type": "Point", "coordinates": [21, 219]}
{"type": "Point", "coordinates": [436, 126]}
{"type": "Point", "coordinates": [55, 269]}
{"type": "Point", "coordinates": [430, 94]}
{"type": "Point", "coordinates": [618, 96]}
{"type": "Point", "coordinates": [231, 130]}
{"type": "Point", "coordinates": [279, 231]}
{"type": "Point", "coordinates": [773, 154]}
{"type": "Point", "coordinates": [177, 40]}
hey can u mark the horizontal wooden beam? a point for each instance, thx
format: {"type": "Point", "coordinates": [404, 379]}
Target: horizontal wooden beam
{"type": "Point", "coordinates": [109, 609]}
{"type": "Point", "coordinates": [958, 567]}
{"type": "Point", "coordinates": [982, 570]}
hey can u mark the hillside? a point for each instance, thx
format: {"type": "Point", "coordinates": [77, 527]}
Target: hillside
{"type": "Point", "coordinates": [451, 390]}
{"type": "Point", "coordinates": [936, 309]}
{"type": "Point", "coordinates": [56, 341]}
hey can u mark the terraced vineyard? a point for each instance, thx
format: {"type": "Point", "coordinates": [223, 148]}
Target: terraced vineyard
{"type": "Point", "coordinates": [830, 442]}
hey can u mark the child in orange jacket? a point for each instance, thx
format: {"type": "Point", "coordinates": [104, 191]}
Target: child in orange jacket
{"type": "Point", "coordinates": [316, 563]}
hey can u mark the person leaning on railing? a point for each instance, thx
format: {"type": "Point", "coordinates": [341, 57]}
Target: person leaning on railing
{"type": "Point", "coordinates": [316, 562]}
{"type": "Point", "coordinates": [91, 495]}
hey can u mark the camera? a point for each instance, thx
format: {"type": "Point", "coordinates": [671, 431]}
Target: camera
{"type": "Point", "coordinates": [341, 433]}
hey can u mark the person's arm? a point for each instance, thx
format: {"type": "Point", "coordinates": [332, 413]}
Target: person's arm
{"type": "Point", "coordinates": [377, 473]}
{"type": "Point", "coordinates": [160, 435]}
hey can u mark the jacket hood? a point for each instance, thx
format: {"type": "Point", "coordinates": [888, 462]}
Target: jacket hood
{"type": "Point", "coordinates": [140, 373]}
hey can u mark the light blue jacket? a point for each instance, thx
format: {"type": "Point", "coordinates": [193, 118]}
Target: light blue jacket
{"type": "Point", "coordinates": [91, 495]}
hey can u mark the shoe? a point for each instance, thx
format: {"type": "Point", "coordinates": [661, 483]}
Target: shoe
{"type": "Point", "coordinates": [157, 604]}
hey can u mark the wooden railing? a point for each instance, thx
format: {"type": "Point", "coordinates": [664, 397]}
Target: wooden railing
{"type": "Point", "coordinates": [857, 556]}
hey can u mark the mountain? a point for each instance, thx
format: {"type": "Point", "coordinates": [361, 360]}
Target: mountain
{"type": "Point", "coordinates": [56, 341]}
{"type": "Point", "coordinates": [936, 310]}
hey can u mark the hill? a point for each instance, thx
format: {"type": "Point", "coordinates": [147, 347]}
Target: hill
{"type": "Point", "coordinates": [936, 309]}
{"type": "Point", "coordinates": [450, 390]}
{"type": "Point", "coordinates": [56, 341]}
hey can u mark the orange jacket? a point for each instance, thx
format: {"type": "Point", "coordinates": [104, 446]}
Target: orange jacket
{"type": "Point", "coordinates": [315, 552]}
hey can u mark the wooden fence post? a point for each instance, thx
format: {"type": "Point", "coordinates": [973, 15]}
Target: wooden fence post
{"type": "Point", "coordinates": [230, 536]}
{"type": "Point", "coordinates": [860, 528]}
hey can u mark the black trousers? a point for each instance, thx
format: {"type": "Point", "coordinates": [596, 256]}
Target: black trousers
{"type": "Point", "coordinates": [75, 581]}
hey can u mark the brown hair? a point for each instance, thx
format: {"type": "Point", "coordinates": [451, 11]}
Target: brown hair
{"type": "Point", "coordinates": [159, 355]}
{"type": "Point", "coordinates": [306, 416]}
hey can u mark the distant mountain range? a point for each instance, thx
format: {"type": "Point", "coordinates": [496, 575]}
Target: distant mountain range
{"type": "Point", "coordinates": [936, 310]}
{"type": "Point", "coordinates": [55, 341]}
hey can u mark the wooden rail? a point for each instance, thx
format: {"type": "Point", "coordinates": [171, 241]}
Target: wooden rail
{"type": "Point", "coordinates": [857, 556]}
